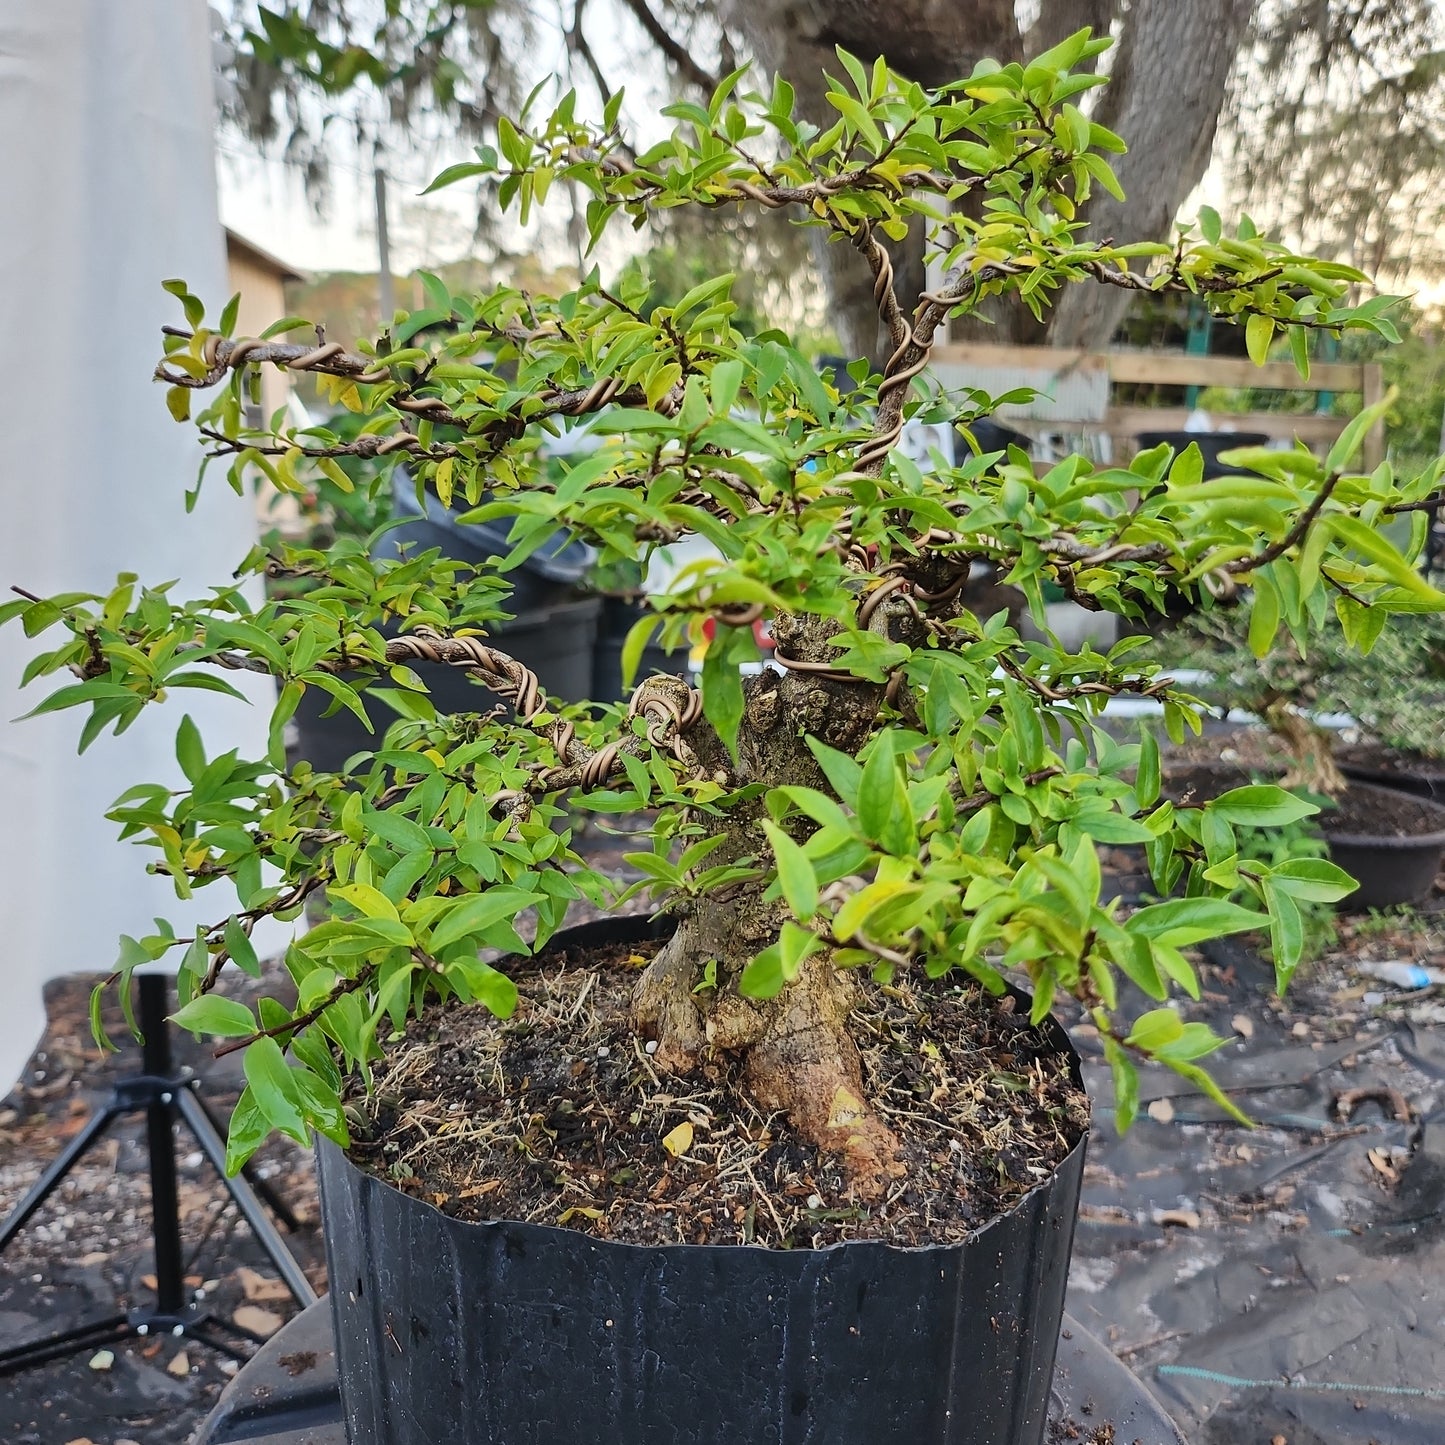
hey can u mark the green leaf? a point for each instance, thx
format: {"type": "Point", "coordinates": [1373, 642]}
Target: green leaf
{"type": "Point", "coordinates": [1286, 933]}
{"type": "Point", "coordinates": [247, 1132]}
{"type": "Point", "coordinates": [877, 789]}
{"type": "Point", "coordinates": [1183, 921]}
{"type": "Point", "coordinates": [841, 770]}
{"type": "Point", "coordinates": [1264, 615]}
{"type": "Point", "coordinates": [368, 901]}
{"type": "Point", "coordinates": [1209, 1089]}
{"type": "Point", "coordinates": [1352, 438]}
{"type": "Point", "coordinates": [1194, 1041]}
{"type": "Point", "coordinates": [1316, 880]}
{"type": "Point", "coordinates": [1126, 1084]}
{"type": "Point", "coordinates": [635, 644]}
{"type": "Point", "coordinates": [858, 118]}
{"type": "Point", "coordinates": [190, 752]}
{"type": "Point", "coordinates": [240, 948]}
{"type": "Point", "coordinates": [276, 1095]}
{"type": "Point", "coordinates": [1382, 552]}
{"type": "Point", "coordinates": [1209, 225]}
{"type": "Point", "coordinates": [460, 172]}
{"type": "Point", "coordinates": [1261, 805]}
{"type": "Point", "coordinates": [723, 385]}
{"type": "Point", "coordinates": [1154, 1029]}
{"type": "Point", "coordinates": [400, 832]}
{"type": "Point", "coordinates": [1258, 333]}
{"type": "Point", "coordinates": [795, 873]}
{"type": "Point", "coordinates": [489, 987]}
{"type": "Point", "coordinates": [722, 694]}
{"type": "Point", "coordinates": [765, 975]}
{"type": "Point", "coordinates": [1147, 779]}
{"type": "Point", "coordinates": [212, 1014]}
{"type": "Point", "coordinates": [1299, 346]}
{"type": "Point", "coordinates": [471, 916]}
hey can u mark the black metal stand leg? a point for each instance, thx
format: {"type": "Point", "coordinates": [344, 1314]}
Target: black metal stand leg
{"type": "Point", "coordinates": [161, 1147]}
{"type": "Point", "coordinates": [250, 1207]}
{"type": "Point", "coordinates": [69, 1342]}
{"type": "Point", "coordinates": [62, 1165]}
{"type": "Point", "coordinates": [213, 1340]}
{"type": "Point", "coordinates": [267, 1192]}
{"type": "Point", "coordinates": [163, 1094]}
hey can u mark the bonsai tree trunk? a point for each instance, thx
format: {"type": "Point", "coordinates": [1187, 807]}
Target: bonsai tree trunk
{"type": "Point", "coordinates": [1313, 766]}
{"type": "Point", "coordinates": [795, 1050]}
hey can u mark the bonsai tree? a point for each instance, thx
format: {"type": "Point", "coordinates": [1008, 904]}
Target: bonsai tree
{"type": "Point", "coordinates": [1391, 683]}
{"type": "Point", "coordinates": [909, 793]}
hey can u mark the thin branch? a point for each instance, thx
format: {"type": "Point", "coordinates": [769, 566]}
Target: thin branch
{"type": "Point", "coordinates": [678, 54]}
{"type": "Point", "coordinates": [1295, 534]}
{"type": "Point", "coordinates": [301, 1020]}
{"type": "Point", "coordinates": [577, 44]}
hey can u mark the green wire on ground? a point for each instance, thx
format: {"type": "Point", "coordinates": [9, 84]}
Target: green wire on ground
{"type": "Point", "coordinates": [1193, 1372]}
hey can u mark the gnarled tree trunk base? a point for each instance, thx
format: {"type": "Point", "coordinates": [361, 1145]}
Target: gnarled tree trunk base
{"type": "Point", "coordinates": [797, 1056]}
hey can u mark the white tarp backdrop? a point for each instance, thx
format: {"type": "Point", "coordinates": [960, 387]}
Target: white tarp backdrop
{"type": "Point", "coordinates": [108, 180]}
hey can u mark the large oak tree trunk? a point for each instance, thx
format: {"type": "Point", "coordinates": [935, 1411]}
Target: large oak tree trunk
{"type": "Point", "coordinates": [1170, 74]}
{"type": "Point", "coordinates": [1170, 71]}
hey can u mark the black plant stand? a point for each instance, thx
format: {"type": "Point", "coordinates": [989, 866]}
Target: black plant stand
{"type": "Point", "coordinates": [166, 1095]}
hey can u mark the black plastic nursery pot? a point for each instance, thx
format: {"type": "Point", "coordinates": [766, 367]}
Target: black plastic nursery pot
{"type": "Point", "coordinates": [1394, 852]}
{"type": "Point", "coordinates": [1392, 868]}
{"type": "Point", "coordinates": [505, 1333]}
{"type": "Point", "coordinates": [1410, 772]}
{"type": "Point", "coordinates": [1211, 443]}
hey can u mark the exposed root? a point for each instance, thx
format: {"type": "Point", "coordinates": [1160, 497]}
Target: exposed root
{"type": "Point", "coordinates": [664, 1007]}
{"type": "Point", "coordinates": [804, 1063]}
{"type": "Point", "coordinates": [797, 1055]}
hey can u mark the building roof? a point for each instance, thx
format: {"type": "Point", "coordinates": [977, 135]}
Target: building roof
{"type": "Point", "coordinates": [238, 245]}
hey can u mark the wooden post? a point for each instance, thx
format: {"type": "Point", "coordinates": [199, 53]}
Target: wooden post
{"type": "Point", "coordinates": [1374, 389]}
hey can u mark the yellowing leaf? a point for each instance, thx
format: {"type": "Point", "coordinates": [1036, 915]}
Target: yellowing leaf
{"type": "Point", "coordinates": [679, 1141]}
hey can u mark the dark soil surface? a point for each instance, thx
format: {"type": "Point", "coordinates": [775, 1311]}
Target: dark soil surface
{"type": "Point", "coordinates": [1396, 761]}
{"type": "Point", "coordinates": [1381, 813]}
{"type": "Point", "coordinates": [557, 1116]}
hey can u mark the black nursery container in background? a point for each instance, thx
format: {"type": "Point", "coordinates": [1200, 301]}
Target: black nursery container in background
{"type": "Point", "coordinates": [614, 622]}
{"type": "Point", "coordinates": [1210, 443]}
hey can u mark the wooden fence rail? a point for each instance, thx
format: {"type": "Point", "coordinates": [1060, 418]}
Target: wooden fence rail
{"type": "Point", "coordinates": [1081, 381]}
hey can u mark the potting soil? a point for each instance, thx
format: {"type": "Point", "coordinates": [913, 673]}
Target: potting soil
{"type": "Point", "coordinates": [557, 1116]}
